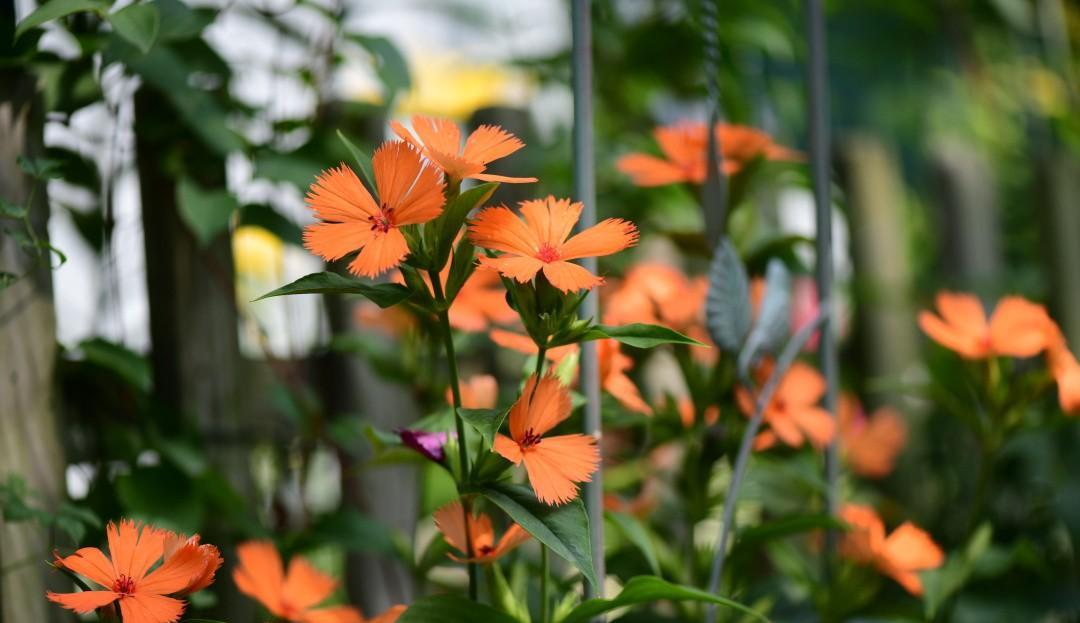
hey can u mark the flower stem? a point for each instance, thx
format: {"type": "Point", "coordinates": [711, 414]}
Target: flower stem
{"type": "Point", "coordinates": [459, 423]}
{"type": "Point", "coordinates": [544, 572]}
{"type": "Point", "coordinates": [787, 357]}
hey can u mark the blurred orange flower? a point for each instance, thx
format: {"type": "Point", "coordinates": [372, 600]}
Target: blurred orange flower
{"type": "Point", "coordinates": [1065, 368]}
{"type": "Point", "coordinates": [900, 555]}
{"type": "Point", "coordinates": [613, 367]}
{"type": "Point", "coordinates": [410, 192]}
{"type": "Point", "coordinates": [173, 545]}
{"type": "Point", "coordinates": [540, 241]}
{"type": "Point", "coordinates": [641, 505]}
{"type": "Point", "coordinates": [143, 595]}
{"type": "Point", "coordinates": [1017, 327]}
{"type": "Point", "coordinates": [555, 464]}
{"type": "Point", "coordinates": [792, 414]}
{"type": "Point", "coordinates": [440, 141]}
{"type": "Point", "coordinates": [685, 407]}
{"type": "Point", "coordinates": [477, 392]}
{"type": "Point", "coordinates": [524, 344]}
{"type": "Point", "coordinates": [685, 159]}
{"type": "Point", "coordinates": [450, 520]}
{"type": "Point", "coordinates": [293, 595]}
{"type": "Point", "coordinates": [870, 444]}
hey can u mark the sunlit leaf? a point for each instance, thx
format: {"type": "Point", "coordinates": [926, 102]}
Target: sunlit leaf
{"type": "Point", "coordinates": [138, 24]}
{"type": "Point", "coordinates": [382, 294]}
{"type": "Point", "coordinates": [485, 421]}
{"type": "Point", "coordinates": [638, 335]}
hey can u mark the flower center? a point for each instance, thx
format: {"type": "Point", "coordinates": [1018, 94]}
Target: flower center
{"type": "Point", "coordinates": [547, 253]}
{"type": "Point", "coordinates": [485, 550]}
{"type": "Point", "coordinates": [529, 440]}
{"type": "Point", "coordinates": [780, 404]}
{"type": "Point", "coordinates": [382, 221]}
{"type": "Point", "coordinates": [124, 585]}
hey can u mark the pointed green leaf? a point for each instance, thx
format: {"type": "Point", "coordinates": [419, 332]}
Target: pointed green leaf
{"type": "Point", "coordinates": [390, 63]}
{"type": "Point", "coordinates": [205, 212]}
{"type": "Point", "coordinates": [564, 529]}
{"type": "Point", "coordinates": [650, 589]}
{"type": "Point", "coordinates": [452, 609]}
{"type": "Point", "coordinates": [382, 294]}
{"type": "Point", "coordinates": [638, 534]}
{"type": "Point", "coordinates": [447, 226]}
{"type": "Point", "coordinates": [54, 9]}
{"type": "Point", "coordinates": [362, 160]}
{"type": "Point", "coordinates": [638, 335]}
{"type": "Point", "coordinates": [138, 24]}
{"type": "Point", "coordinates": [727, 307]}
{"type": "Point", "coordinates": [485, 421]}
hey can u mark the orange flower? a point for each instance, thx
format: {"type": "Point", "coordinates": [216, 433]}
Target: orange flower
{"type": "Point", "coordinates": [685, 407]}
{"type": "Point", "coordinates": [477, 392]}
{"type": "Point", "coordinates": [641, 505]}
{"type": "Point", "coordinates": [1065, 368]}
{"type": "Point", "coordinates": [1017, 327]}
{"type": "Point", "coordinates": [870, 444]}
{"type": "Point", "coordinates": [655, 293]}
{"type": "Point", "coordinates": [212, 560]}
{"type": "Point", "coordinates": [555, 464]}
{"type": "Point", "coordinates": [684, 146]}
{"type": "Point", "coordinates": [450, 520]}
{"type": "Point", "coordinates": [293, 595]}
{"type": "Point", "coordinates": [410, 193]}
{"type": "Point", "coordinates": [613, 367]}
{"type": "Point", "coordinates": [900, 555]}
{"type": "Point", "coordinates": [524, 344]}
{"type": "Point", "coordinates": [539, 242]}
{"type": "Point", "coordinates": [792, 414]}
{"type": "Point", "coordinates": [141, 593]}
{"type": "Point", "coordinates": [480, 303]}
{"type": "Point", "coordinates": [440, 141]}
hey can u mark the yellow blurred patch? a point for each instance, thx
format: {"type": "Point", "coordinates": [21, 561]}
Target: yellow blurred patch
{"type": "Point", "coordinates": [446, 86]}
{"type": "Point", "coordinates": [257, 253]}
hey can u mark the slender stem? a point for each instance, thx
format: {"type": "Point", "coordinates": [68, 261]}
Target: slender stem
{"type": "Point", "coordinates": [787, 357]}
{"type": "Point", "coordinates": [545, 571]}
{"type": "Point", "coordinates": [459, 423]}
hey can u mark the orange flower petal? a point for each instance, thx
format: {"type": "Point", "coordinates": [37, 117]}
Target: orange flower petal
{"type": "Point", "coordinates": [338, 195]}
{"type": "Point", "coordinates": [817, 424]}
{"type": "Point", "coordinates": [305, 586]}
{"type": "Point", "coordinates": [333, 241]}
{"type": "Point", "coordinates": [557, 464]}
{"type": "Point", "coordinates": [508, 448]}
{"type": "Point", "coordinates": [442, 137]}
{"type": "Point", "coordinates": [175, 573]}
{"type": "Point", "coordinates": [91, 562]}
{"type": "Point", "coordinates": [134, 547]}
{"type": "Point", "coordinates": [518, 268]}
{"type": "Point", "coordinates": [334, 614]}
{"type": "Point", "coordinates": [500, 229]}
{"type": "Point", "coordinates": [380, 254]}
{"type": "Point", "coordinates": [962, 343]}
{"type": "Point", "coordinates": [606, 237]}
{"type": "Point", "coordinates": [962, 311]}
{"type": "Point", "coordinates": [802, 385]}
{"type": "Point", "coordinates": [84, 602]}
{"type": "Point", "coordinates": [645, 170]}
{"type": "Point", "coordinates": [413, 190]}
{"type": "Point", "coordinates": [488, 177]}
{"type": "Point", "coordinates": [623, 389]}
{"type": "Point", "coordinates": [488, 143]}
{"type": "Point", "coordinates": [144, 608]}
{"type": "Point", "coordinates": [515, 535]}
{"type": "Point", "coordinates": [551, 220]}
{"type": "Point", "coordinates": [540, 407]}
{"type": "Point", "coordinates": [785, 428]}
{"type": "Point", "coordinates": [259, 573]}
{"type": "Point", "coordinates": [1018, 327]}
{"type": "Point", "coordinates": [567, 276]}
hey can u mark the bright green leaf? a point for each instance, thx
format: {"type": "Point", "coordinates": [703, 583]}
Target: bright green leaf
{"type": "Point", "coordinates": [362, 160]}
{"type": "Point", "coordinates": [485, 421]}
{"type": "Point", "coordinates": [637, 335]}
{"type": "Point", "coordinates": [54, 9]}
{"type": "Point", "coordinates": [382, 294]}
{"type": "Point", "coordinates": [206, 212]}
{"type": "Point", "coordinates": [138, 24]}
{"type": "Point", "coordinates": [649, 589]}
{"type": "Point", "coordinates": [446, 227]}
{"type": "Point", "coordinates": [564, 529]}
{"type": "Point", "coordinates": [452, 609]}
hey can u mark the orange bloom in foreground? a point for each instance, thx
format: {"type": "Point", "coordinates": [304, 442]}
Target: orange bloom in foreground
{"type": "Point", "coordinates": [1017, 327]}
{"type": "Point", "coordinates": [540, 241]}
{"type": "Point", "coordinates": [870, 444]}
{"type": "Point", "coordinates": [293, 595]}
{"type": "Point", "coordinates": [685, 158]}
{"type": "Point", "coordinates": [792, 414]}
{"type": "Point", "coordinates": [143, 595]}
{"type": "Point", "coordinates": [440, 141]}
{"type": "Point", "coordinates": [555, 464]}
{"type": "Point", "coordinates": [450, 520]}
{"type": "Point", "coordinates": [900, 555]}
{"type": "Point", "coordinates": [477, 392]}
{"type": "Point", "coordinates": [410, 193]}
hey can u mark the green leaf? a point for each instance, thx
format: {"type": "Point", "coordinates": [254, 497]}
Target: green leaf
{"type": "Point", "coordinates": [452, 609]}
{"type": "Point", "coordinates": [390, 64]}
{"type": "Point", "coordinates": [382, 294]}
{"type": "Point", "coordinates": [130, 366]}
{"type": "Point", "coordinates": [447, 226]}
{"type": "Point", "coordinates": [179, 21]}
{"type": "Point", "coordinates": [649, 589]}
{"type": "Point", "coordinates": [564, 529]}
{"type": "Point", "coordinates": [942, 583]}
{"type": "Point", "coordinates": [362, 160]}
{"type": "Point", "coordinates": [138, 24]}
{"type": "Point", "coordinates": [485, 421]}
{"type": "Point", "coordinates": [6, 279]}
{"type": "Point", "coordinates": [11, 210]}
{"type": "Point", "coordinates": [54, 9]}
{"type": "Point", "coordinates": [205, 212]}
{"type": "Point", "coordinates": [40, 168]}
{"type": "Point", "coordinates": [787, 526]}
{"type": "Point", "coordinates": [638, 534]}
{"type": "Point", "coordinates": [638, 335]}
{"type": "Point", "coordinates": [727, 307]}
{"type": "Point", "coordinates": [774, 319]}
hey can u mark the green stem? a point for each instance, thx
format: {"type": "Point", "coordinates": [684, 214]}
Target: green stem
{"type": "Point", "coordinates": [544, 572]}
{"type": "Point", "coordinates": [459, 423]}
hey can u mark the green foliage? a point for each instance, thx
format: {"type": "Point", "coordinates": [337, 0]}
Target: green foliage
{"type": "Point", "coordinates": [139, 24]}
{"type": "Point", "coordinates": [638, 534]}
{"type": "Point", "coordinates": [486, 422]}
{"type": "Point", "coordinates": [362, 160]}
{"type": "Point", "coordinates": [444, 229]}
{"type": "Point", "coordinates": [383, 294]}
{"type": "Point", "coordinates": [206, 213]}
{"type": "Point", "coordinates": [647, 589]}
{"type": "Point", "coordinates": [452, 609]}
{"type": "Point", "coordinates": [17, 505]}
{"type": "Point", "coordinates": [637, 335]}
{"type": "Point", "coordinates": [55, 9]}
{"type": "Point", "coordinates": [390, 64]}
{"type": "Point", "coordinates": [727, 309]}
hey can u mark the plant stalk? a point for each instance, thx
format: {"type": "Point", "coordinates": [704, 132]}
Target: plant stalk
{"type": "Point", "coordinates": [545, 571]}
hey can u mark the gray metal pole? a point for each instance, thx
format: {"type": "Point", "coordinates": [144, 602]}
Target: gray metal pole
{"type": "Point", "coordinates": [818, 113]}
{"type": "Point", "coordinates": [585, 192]}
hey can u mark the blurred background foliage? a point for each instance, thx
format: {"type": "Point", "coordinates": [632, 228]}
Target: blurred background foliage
{"type": "Point", "coordinates": [168, 146]}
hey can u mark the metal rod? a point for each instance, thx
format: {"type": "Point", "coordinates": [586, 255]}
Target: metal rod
{"type": "Point", "coordinates": [818, 117]}
{"type": "Point", "coordinates": [783, 363]}
{"type": "Point", "coordinates": [714, 193]}
{"type": "Point", "coordinates": [585, 192]}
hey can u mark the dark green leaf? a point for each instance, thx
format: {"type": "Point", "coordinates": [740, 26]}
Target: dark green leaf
{"type": "Point", "coordinates": [447, 226]}
{"type": "Point", "coordinates": [452, 609]}
{"type": "Point", "coordinates": [773, 320]}
{"type": "Point", "coordinates": [727, 308]}
{"type": "Point", "coordinates": [54, 9]}
{"type": "Point", "coordinates": [6, 279]}
{"type": "Point", "coordinates": [138, 24]}
{"type": "Point", "coordinates": [382, 294]}
{"type": "Point", "coordinates": [638, 534]}
{"type": "Point", "coordinates": [206, 212]}
{"type": "Point", "coordinates": [787, 526]}
{"type": "Point", "coordinates": [39, 168]}
{"type": "Point", "coordinates": [390, 64]}
{"type": "Point", "coordinates": [179, 21]}
{"type": "Point", "coordinates": [941, 583]}
{"type": "Point", "coordinates": [637, 335]}
{"type": "Point", "coordinates": [126, 364]}
{"type": "Point", "coordinates": [362, 160]}
{"type": "Point", "coordinates": [485, 421]}
{"type": "Point", "coordinates": [461, 267]}
{"type": "Point", "coordinates": [564, 529]}
{"type": "Point", "coordinates": [649, 589]}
